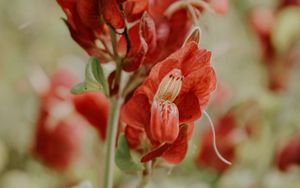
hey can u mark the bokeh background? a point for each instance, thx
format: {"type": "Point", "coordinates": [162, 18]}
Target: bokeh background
{"type": "Point", "coordinates": [33, 37]}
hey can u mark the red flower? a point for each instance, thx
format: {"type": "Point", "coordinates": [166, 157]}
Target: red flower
{"type": "Point", "coordinates": [173, 26]}
{"type": "Point", "coordinates": [58, 134]}
{"type": "Point", "coordinates": [84, 23]}
{"type": "Point", "coordinates": [156, 35]}
{"type": "Point", "coordinates": [277, 64]}
{"type": "Point", "coordinates": [262, 20]}
{"type": "Point", "coordinates": [141, 40]}
{"type": "Point", "coordinates": [61, 117]}
{"type": "Point", "coordinates": [288, 154]}
{"type": "Point", "coordinates": [237, 124]}
{"type": "Point", "coordinates": [134, 9]}
{"type": "Point", "coordinates": [286, 3]}
{"type": "Point", "coordinates": [88, 20]}
{"type": "Point", "coordinates": [171, 30]}
{"type": "Point", "coordinates": [175, 92]}
{"type": "Point", "coordinates": [111, 13]}
{"type": "Point", "coordinates": [94, 107]}
{"type": "Point", "coordinates": [207, 157]}
{"type": "Point", "coordinates": [57, 146]}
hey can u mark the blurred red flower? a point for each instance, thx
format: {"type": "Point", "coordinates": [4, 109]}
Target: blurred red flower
{"type": "Point", "coordinates": [286, 3]}
{"type": "Point", "coordinates": [278, 64]}
{"type": "Point", "coordinates": [57, 146]}
{"type": "Point", "coordinates": [58, 131]}
{"type": "Point", "coordinates": [173, 96]}
{"type": "Point", "coordinates": [220, 6]}
{"type": "Point", "coordinates": [240, 122]}
{"type": "Point", "coordinates": [94, 107]}
{"type": "Point", "coordinates": [288, 154]}
{"type": "Point", "coordinates": [225, 127]}
{"type": "Point", "coordinates": [61, 118]}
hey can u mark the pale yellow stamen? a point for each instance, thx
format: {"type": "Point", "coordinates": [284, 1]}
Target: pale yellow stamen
{"type": "Point", "coordinates": [170, 86]}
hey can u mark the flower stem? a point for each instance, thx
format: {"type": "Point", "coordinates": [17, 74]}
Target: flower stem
{"type": "Point", "coordinates": [146, 175]}
{"type": "Point", "coordinates": [111, 142]}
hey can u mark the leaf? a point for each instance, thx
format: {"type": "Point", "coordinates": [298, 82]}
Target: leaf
{"type": "Point", "coordinates": [96, 68]}
{"type": "Point", "coordinates": [123, 157]}
{"type": "Point", "coordinates": [78, 88]}
{"type": "Point", "coordinates": [98, 74]}
{"type": "Point", "coordinates": [94, 79]}
{"type": "Point", "coordinates": [86, 87]}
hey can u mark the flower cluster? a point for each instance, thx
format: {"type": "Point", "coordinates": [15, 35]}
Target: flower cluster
{"type": "Point", "coordinates": [147, 37]}
{"type": "Point", "coordinates": [170, 77]}
{"type": "Point", "coordinates": [147, 31]}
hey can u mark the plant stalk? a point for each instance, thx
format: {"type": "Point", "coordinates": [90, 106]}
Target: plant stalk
{"type": "Point", "coordinates": [112, 130]}
{"type": "Point", "coordinates": [146, 175]}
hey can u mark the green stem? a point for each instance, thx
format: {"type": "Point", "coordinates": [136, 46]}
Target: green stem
{"type": "Point", "coordinates": [111, 142]}
{"type": "Point", "coordinates": [215, 181]}
{"type": "Point", "coordinates": [113, 38]}
{"type": "Point", "coordinates": [112, 128]}
{"type": "Point", "coordinates": [146, 175]}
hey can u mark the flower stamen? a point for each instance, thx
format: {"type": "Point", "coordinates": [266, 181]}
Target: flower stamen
{"type": "Point", "coordinates": [170, 86]}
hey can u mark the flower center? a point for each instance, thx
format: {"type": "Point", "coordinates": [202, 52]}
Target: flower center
{"type": "Point", "coordinates": [170, 86]}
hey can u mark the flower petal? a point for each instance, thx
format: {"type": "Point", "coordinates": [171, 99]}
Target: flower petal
{"type": "Point", "coordinates": [133, 115]}
{"type": "Point", "coordinates": [137, 48]}
{"type": "Point", "coordinates": [157, 152]}
{"type": "Point", "coordinates": [134, 9]}
{"type": "Point", "coordinates": [94, 107]}
{"type": "Point", "coordinates": [112, 13]}
{"type": "Point", "coordinates": [176, 152]}
{"type": "Point", "coordinates": [89, 13]}
{"type": "Point", "coordinates": [201, 83]}
{"type": "Point", "coordinates": [189, 108]}
{"type": "Point", "coordinates": [179, 24]}
{"type": "Point", "coordinates": [148, 31]}
{"type": "Point", "coordinates": [164, 122]}
{"type": "Point", "coordinates": [60, 146]}
{"type": "Point", "coordinates": [198, 59]}
{"type": "Point", "coordinates": [134, 136]}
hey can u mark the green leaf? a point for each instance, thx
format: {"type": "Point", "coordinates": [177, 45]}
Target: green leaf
{"type": "Point", "coordinates": [94, 79]}
{"type": "Point", "coordinates": [79, 88]}
{"type": "Point", "coordinates": [98, 73]}
{"type": "Point", "coordinates": [123, 157]}
{"type": "Point", "coordinates": [86, 86]}
{"type": "Point", "coordinates": [96, 68]}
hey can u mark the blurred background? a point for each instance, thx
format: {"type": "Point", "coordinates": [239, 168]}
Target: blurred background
{"type": "Point", "coordinates": [256, 52]}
